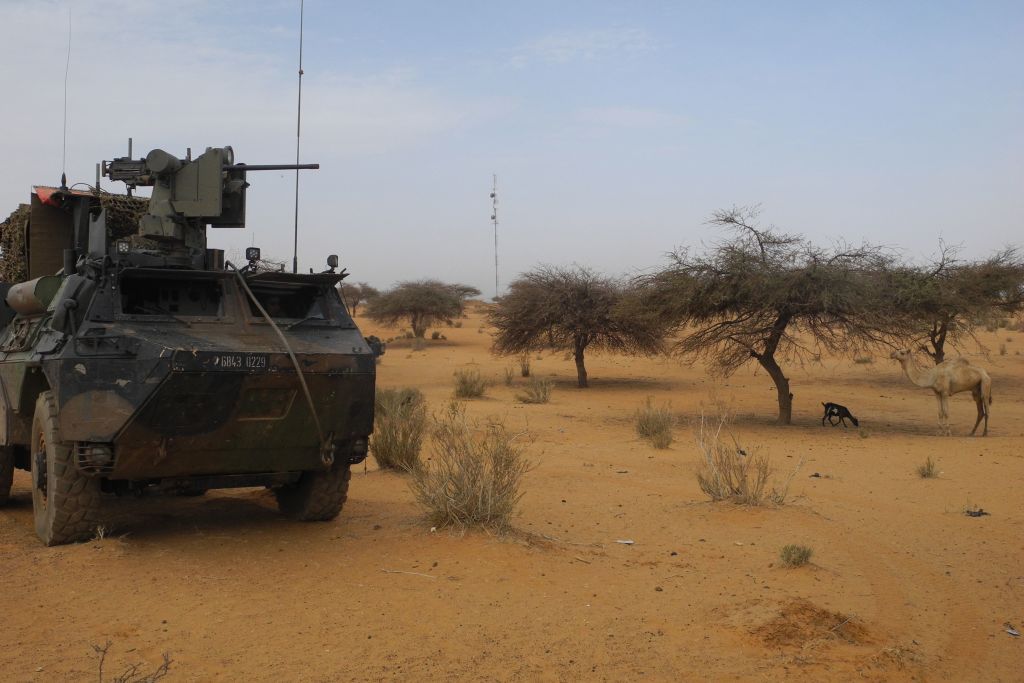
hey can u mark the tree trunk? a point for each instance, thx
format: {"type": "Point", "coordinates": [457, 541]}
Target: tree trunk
{"type": "Point", "coordinates": [781, 388]}
{"type": "Point", "coordinates": [419, 327]}
{"type": "Point", "coordinates": [581, 370]}
{"type": "Point", "coordinates": [767, 360]}
{"type": "Point", "coordinates": [937, 337]}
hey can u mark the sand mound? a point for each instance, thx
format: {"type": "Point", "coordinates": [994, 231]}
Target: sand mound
{"type": "Point", "coordinates": [801, 621]}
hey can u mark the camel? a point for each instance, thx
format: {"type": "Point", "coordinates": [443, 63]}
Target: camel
{"type": "Point", "coordinates": [948, 378]}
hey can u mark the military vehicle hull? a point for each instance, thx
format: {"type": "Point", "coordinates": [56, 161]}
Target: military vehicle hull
{"type": "Point", "coordinates": [145, 364]}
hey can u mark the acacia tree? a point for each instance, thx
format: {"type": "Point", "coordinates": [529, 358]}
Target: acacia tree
{"type": "Point", "coordinates": [771, 297]}
{"type": "Point", "coordinates": [947, 299]}
{"type": "Point", "coordinates": [422, 302]}
{"type": "Point", "coordinates": [357, 293]}
{"type": "Point", "coordinates": [572, 309]}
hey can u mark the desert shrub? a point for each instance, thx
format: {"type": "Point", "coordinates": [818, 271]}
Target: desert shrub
{"type": "Point", "coordinates": [727, 472]}
{"type": "Point", "coordinates": [795, 555]}
{"type": "Point", "coordinates": [457, 324]}
{"type": "Point", "coordinates": [399, 425]}
{"type": "Point", "coordinates": [524, 365]}
{"type": "Point", "coordinates": [510, 375]}
{"type": "Point", "coordinates": [928, 470]}
{"type": "Point", "coordinates": [469, 384]}
{"type": "Point", "coordinates": [537, 391]}
{"type": "Point", "coordinates": [655, 423]}
{"type": "Point", "coordinates": [435, 335]}
{"type": "Point", "coordinates": [863, 360]}
{"type": "Point", "coordinates": [474, 476]}
{"type": "Point", "coordinates": [133, 673]}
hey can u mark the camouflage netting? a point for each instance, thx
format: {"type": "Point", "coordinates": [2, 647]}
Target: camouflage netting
{"type": "Point", "coordinates": [12, 246]}
{"type": "Point", "coordinates": [123, 214]}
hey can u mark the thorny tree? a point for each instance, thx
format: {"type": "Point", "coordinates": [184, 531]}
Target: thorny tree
{"type": "Point", "coordinates": [356, 293]}
{"type": "Point", "coordinates": [423, 303]}
{"type": "Point", "coordinates": [949, 298]}
{"type": "Point", "coordinates": [572, 309]}
{"type": "Point", "coordinates": [771, 297]}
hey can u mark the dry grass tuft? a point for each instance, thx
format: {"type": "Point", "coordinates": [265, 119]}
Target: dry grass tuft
{"type": "Point", "coordinates": [399, 425]}
{"type": "Point", "coordinates": [524, 365]}
{"type": "Point", "coordinates": [728, 472]}
{"type": "Point", "coordinates": [795, 555]}
{"type": "Point", "coordinates": [929, 470]}
{"type": "Point", "coordinates": [655, 423]}
{"type": "Point", "coordinates": [469, 384]}
{"type": "Point", "coordinates": [473, 478]}
{"type": "Point", "coordinates": [537, 391]}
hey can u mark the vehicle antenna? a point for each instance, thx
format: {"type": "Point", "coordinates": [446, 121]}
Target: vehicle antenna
{"type": "Point", "coordinates": [64, 144]}
{"type": "Point", "coordinates": [298, 137]}
{"type": "Point", "coordinates": [494, 219]}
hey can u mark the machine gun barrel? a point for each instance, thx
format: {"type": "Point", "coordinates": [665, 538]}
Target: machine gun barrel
{"type": "Point", "coordinates": [272, 167]}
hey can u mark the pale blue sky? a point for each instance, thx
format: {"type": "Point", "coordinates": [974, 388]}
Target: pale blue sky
{"type": "Point", "coordinates": [615, 128]}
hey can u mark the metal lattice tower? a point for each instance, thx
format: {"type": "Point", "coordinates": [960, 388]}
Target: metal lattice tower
{"type": "Point", "coordinates": [494, 220]}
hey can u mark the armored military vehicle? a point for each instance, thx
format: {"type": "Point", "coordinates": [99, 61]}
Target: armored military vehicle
{"type": "Point", "coordinates": [133, 357]}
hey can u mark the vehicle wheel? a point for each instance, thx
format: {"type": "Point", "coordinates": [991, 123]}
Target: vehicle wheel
{"type": "Point", "coordinates": [6, 472]}
{"type": "Point", "coordinates": [65, 502]}
{"type": "Point", "coordinates": [316, 496]}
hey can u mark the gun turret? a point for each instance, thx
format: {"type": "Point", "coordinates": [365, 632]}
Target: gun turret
{"type": "Point", "coordinates": [190, 194]}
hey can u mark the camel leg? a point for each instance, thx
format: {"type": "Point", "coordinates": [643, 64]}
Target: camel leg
{"type": "Point", "coordinates": [979, 400]}
{"type": "Point", "coordinates": [980, 403]}
{"type": "Point", "coordinates": [944, 415]}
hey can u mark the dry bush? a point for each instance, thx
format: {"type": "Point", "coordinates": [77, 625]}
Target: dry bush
{"type": "Point", "coordinates": [510, 375]}
{"type": "Point", "coordinates": [537, 391]}
{"type": "Point", "coordinates": [655, 423]}
{"type": "Point", "coordinates": [929, 470]}
{"type": "Point", "coordinates": [399, 425]}
{"type": "Point", "coordinates": [473, 478]}
{"type": "Point", "coordinates": [795, 555]}
{"type": "Point", "coordinates": [132, 673]}
{"type": "Point", "coordinates": [728, 472]}
{"type": "Point", "coordinates": [469, 384]}
{"type": "Point", "coordinates": [524, 365]}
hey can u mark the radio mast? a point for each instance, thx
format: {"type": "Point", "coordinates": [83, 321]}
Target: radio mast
{"type": "Point", "coordinates": [298, 138]}
{"type": "Point", "coordinates": [494, 220]}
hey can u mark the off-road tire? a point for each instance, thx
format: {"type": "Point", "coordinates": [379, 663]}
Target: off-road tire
{"type": "Point", "coordinates": [6, 473]}
{"type": "Point", "coordinates": [316, 496]}
{"type": "Point", "coordinates": [68, 512]}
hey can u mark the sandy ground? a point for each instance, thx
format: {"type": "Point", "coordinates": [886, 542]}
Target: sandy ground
{"type": "Point", "coordinates": [902, 586]}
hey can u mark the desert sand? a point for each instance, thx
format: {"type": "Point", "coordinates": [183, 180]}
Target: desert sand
{"type": "Point", "coordinates": [902, 584]}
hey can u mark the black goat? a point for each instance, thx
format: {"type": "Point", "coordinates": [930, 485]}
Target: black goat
{"type": "Point", "coordinates": [833, 411]}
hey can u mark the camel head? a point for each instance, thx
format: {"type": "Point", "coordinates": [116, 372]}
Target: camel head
{"type": "Point", "coordinates": [900, 354]}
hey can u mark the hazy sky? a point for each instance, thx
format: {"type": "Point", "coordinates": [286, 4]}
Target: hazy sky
{"type": "Point", "coordinates": [615, 128]}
